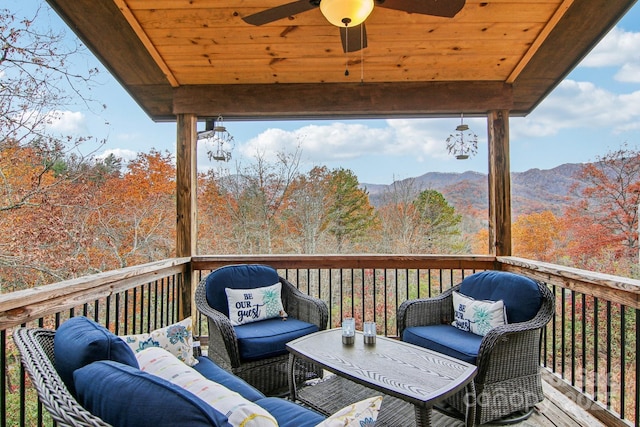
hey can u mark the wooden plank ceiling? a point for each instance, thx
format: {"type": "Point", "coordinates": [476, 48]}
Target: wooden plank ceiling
{"type": "Point", "coordinates": [199, 56]}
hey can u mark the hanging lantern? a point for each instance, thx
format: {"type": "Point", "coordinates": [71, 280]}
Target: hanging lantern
{"type": "Point", "coordinates": [217, 137]}
{"type": "Point", "coordinates": [463, 143]}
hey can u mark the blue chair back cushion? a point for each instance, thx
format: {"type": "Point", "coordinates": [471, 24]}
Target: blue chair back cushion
{"type": "Point", "coordinates": [289, 414]}
{"type": "Point", "coordinates": [445, 339]}
{"type": "Point", "coordinates": [520, 294]}
{"type": "Point", "coordinates": [80, 341]}
{"type": "Point", "coordinates": [247, 276]}
{"type": "Point", "coordinates": [128, 397]}
{"type": "Point", "coordinates": [267, 338]}
{"type": "Point", "coordinates": [218, 375]}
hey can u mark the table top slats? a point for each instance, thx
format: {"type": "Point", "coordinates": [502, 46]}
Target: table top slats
{"type": "Point", "coordinates": [400, 369]}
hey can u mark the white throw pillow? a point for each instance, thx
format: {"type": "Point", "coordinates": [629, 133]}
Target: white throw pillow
{"type": "Point", "coordinates": [176, 338]}
{"type": "Point", "coordinates": [239, 411]}
{"type": "Point", "coordinates": [477, 316]}
{"type": "Point", "coordinates": [252, 305]}
{"type": "Point", "coordinates": [359, 414]}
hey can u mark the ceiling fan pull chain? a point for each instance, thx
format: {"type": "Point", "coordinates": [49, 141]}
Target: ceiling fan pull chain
{"type": "Point", "coordinates": [361, 53]}
{"type": "Point", "coordinates": [346, 51]}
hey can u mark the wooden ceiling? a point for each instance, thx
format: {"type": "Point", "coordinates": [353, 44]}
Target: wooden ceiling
{"type": "Point", "coordinates": [199, 56]}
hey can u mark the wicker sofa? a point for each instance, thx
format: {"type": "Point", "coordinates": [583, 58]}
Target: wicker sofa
{"type": "Point", "coordinates": [508, 382]}
{"type": "Point", "coordinates": [256, 351]}
{"type": "Point", "coordinates": [132, 406]}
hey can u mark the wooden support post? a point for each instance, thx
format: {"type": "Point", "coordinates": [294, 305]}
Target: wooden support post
{"type": "Point", "coordinates": [186, 202]}
{"type": "Point", "coordinates": [499, 184]}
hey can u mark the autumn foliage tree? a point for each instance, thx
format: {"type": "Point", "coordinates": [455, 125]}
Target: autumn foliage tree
{"type": "Point", "coordinates": [414, 221]}
{"type": "Point", "coordinates": [44, 182]}
{"type": "Point", "coordinates": [37, 81]}
{"type": "Point", "coordinates": [605, 219]}
{"type": "Point", "coordinates": [215, 226]}
{"type": "Point", "coordinates": [44, 200]}
{"type": "Point", "coordinates": [308, 216]}
{"type": "Point", "coordinates": [538, 236]}
{"type": "Point", "coordinates": [134, 214]}
{"type": "Point", "coordinates": [399, 218]}
{"type": "Point", "coordinates": [257, 196]}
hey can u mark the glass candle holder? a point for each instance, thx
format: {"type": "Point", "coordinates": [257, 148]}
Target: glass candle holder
{"type": "Point", "coordinates": [348, 330]}
{"type": "Point", "coordinates": [369, 332]}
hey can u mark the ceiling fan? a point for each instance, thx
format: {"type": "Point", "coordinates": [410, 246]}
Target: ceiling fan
{"type": "Point", "coordinates": [350, 15]}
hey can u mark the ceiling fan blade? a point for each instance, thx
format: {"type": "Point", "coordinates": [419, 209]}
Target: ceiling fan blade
{"type": "Point", "coordinates": [356, 38]}
{"type": "Point", "coordinates": [445, 8]}
{"type": "Point", "coordinates": [279, 12]}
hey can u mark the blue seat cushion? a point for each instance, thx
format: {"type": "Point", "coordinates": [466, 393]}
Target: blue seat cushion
{"type": "Point", "coordinates": [289, 414]}
{"type": "Point", "coordinates": [218, 375]}
{"type": "Point", "coordinates": [445, 339]}
{"type": "Point", "coordinates": [80, 341]}
{"type": "Point", "coordinates": [128, 397]}
{"type": "Point", "coordinates": [520, 294]}
{"type": "Point", "coordinates": [267, 338]}
{"type": "Point", "coordinates": [236, 277]}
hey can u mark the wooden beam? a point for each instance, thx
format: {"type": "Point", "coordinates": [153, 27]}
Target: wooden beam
{"type": "Point", "coordinates": [549, 26]}
{"type": "Point", "coordinates": [144, 39]}
{"type": "Point", "coordinates": [104, 30]}
{"type": "Point", "coordinates": [576, 33]}
{"type": "Point", "coordinates": [186, 202]}
{"type": "Point", "coordinates": [186, 185]}
{"type": "Point", "coordinates": [344, 100]}
{"type": "Point", "coordinates": [499, 184]}
{"type": "Point", "coordinates": [350, 261]}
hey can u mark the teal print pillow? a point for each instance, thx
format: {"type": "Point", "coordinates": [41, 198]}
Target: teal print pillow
{"type": "Point", "coordinates": [252, 305]}
{"type": "Point", "coordinates": [359, 414]}
{"type": "Point", "coordinates": [476, 316]}
{"type": "Point", "coordinates": [176, 339]}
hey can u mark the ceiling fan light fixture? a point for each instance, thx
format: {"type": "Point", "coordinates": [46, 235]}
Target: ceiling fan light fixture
{"type": "Point", "coordinates": [346, 13]}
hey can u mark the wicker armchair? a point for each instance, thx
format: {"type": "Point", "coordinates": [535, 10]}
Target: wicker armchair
{"type": "Point", "coordinates": [268, 375]}
{"type": "Point", "coordinates": [36, 350]}
{"type": "Point", "coordinates": [509, 380]}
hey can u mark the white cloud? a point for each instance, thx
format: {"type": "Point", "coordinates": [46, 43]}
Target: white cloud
{"type": "Point", "coordinates": [335, 141]}
{"type": "Point", "coordinates": [585, 105]}
{"type": "Point", "coordinates": [423, 138]}
{"type": "Point", "coordinates": [121, 153]}
{"type": "Point", "coordinates": [66, 122]}
{"type": "Point", "coordinates": [579, 105]}
{"type": "Point", "coordinates": [629, 73]}
{"type": "Point", "coordinates": [621, 49]}
{"type": "Point", "coordinates": [343, 141]}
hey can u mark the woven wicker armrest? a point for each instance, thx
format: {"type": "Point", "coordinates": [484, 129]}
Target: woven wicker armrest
{"type": "Point", "coordinates": [36, 351]}
{"type": "Point", "coordinates": [222, 337]}
{"type": "Point", "coordinates": [425, 311]}
{"type": "Point", "coordinates": [304, 307]}
{"type": "Point", "coordinates": [522, 338]}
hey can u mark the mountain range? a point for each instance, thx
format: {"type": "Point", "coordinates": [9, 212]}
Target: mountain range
{"type": "Point", "coordinates": [534, 190]}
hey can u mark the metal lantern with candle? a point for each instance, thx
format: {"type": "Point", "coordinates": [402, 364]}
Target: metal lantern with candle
{"type": "Point", "coordinates": [348, 330]}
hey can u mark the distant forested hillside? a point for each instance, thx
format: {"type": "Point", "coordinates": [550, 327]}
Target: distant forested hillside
{"type": "Point", "coordinates": [534, 190]}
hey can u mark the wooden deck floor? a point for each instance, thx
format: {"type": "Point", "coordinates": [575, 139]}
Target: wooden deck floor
{"type": "Point", "coordinates": [556, 410]}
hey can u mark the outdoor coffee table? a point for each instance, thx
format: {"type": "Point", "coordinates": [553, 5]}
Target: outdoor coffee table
{"type": "Point", "coordinates": [410, 373]}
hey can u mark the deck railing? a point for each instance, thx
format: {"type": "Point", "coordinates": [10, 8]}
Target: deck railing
{"type": "Point", "coordinates": [128, 301]}
{"type": "Point", "coordinates": [591, 346]}
{"type": "Point", "coordinates": [589, 349]}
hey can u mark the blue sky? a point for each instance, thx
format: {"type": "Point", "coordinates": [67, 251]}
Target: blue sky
{"type": "Point", "coordinates": [596, 109]}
